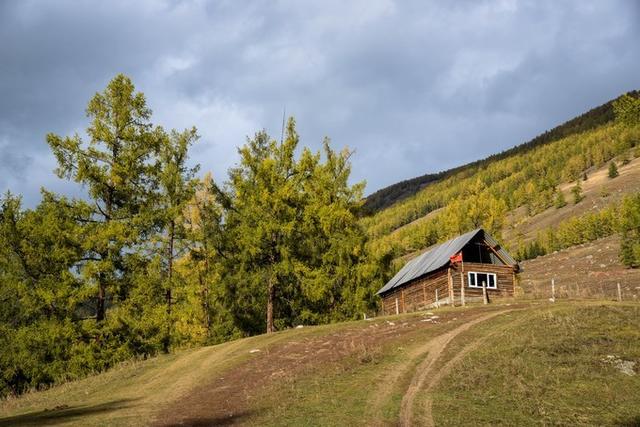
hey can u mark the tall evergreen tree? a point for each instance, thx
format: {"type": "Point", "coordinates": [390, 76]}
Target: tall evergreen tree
{"type": "Point", "coordinates": [294, 248]}
{"type": "Point", "coordinates": [264, 206]}
{"type": "Point", "coordinates": [115, 166]}
{"type": "Point", "coordinates": [177, 185]}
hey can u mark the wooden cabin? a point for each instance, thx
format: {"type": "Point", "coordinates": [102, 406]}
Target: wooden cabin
{"type": "Point", "coordinates": [453, 272]}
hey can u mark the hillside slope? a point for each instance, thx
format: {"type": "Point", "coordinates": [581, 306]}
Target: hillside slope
{"type": "Point", "coordinates": [385, 197]}
{"type": "Point", "coordinates": [584, 271]}
{"type": "Point", "coordinates": [412, 369]}
{"type": "Point", "coordinates": [599, 191]}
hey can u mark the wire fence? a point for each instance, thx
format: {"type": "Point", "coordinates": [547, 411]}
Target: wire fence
{"type": "Point", "coordinates": [557, 288]}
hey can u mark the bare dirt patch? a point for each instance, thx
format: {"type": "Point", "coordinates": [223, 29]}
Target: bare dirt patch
{"type": "Point", "coordinates": [590, 270]}
{"type": "Point", "coordinates": [230, 398]}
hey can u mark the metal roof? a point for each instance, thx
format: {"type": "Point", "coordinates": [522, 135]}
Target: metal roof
{"type": "Point", "coordinates": [438, 256]}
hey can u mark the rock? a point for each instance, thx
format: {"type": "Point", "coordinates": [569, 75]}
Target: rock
{"type": "Point", "coordinates": [255, 350]}
{"type": "Point", "coordinates": [624, 366]}
{"type": "Point", "coordinates": [299, 326]}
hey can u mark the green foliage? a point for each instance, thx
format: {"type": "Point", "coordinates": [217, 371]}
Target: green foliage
{"type": "Point", "coordinates": [71, 262]}
{"type": "Point", "coordinates": [386, 197]}
{"type": "Point", "coordinates": [630, 231]}
{"type": "Point", "coordinates": [115, 166]}
{"type": "Point", "coordinates": [560, 201]}
{"type": "Point", "coordinates": [623, 218]}
{"type": "Point", "coordinates": [576, 191]}
{"type": "Point", "coordinates": [527, 179]}
{"type": "Point", "coordinates": [293, 246]}
{"type": "Point", "coordinates": [613, 170]}
{"type": "Point", "coordinates": [627, 110]}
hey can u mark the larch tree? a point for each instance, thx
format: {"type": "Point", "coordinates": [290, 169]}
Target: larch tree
{"type": "Point", "coordinates": [176, 187]}
{"type": "Point", "coordinates": [576, 191]}
{"type": "Point", "coordinates": [262, 201]}
{"type": "Point", "coordinates": [116, 168]}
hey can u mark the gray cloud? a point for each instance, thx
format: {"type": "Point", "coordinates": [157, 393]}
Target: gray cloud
{"type": "Point", "coordinates": [412, 87]}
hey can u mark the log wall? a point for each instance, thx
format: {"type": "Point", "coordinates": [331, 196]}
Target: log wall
{"type": "Point", "coordinates": [421, 293]}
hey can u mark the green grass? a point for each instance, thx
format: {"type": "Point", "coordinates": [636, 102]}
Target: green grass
{"type": "Point", "coordinates": [541, 365]}
{"type": "Point", "coordinates": [342, 393]}
{"type": "Point", "coordinates": [548, 370]}
{"type": "Point", "coordinates": [132, 393]}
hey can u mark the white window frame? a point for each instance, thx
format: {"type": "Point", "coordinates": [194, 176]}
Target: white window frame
{"type": "Point", "coordinates": [479, 285]}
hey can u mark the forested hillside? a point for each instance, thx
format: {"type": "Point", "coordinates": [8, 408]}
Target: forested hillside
{"type": "Point", "coordinates": [592, 119]}
{"type": "Point", "coordinates": [482, 195]}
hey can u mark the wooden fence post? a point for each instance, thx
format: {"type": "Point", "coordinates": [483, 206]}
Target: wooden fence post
{"type": "Point", "coordinates": [437, 299]}
{"type": "Point", "coordinates": [450, 285]}
{"type": "Point", "coordinates": [485, 298]}
{"type": "Point", "coordinates": [424, 293]}
{"type": "Point", "coordinates": [553, 290]}
{"type": "Point", "coordinates": [462, 290]}
{"type": "Point", "coordinates": [397, 311]}
{"type": "Point", "coordinates": [619, 293]}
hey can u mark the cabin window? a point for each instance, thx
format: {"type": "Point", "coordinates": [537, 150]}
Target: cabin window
{"type": "Point", "coordinates": [476, 279]}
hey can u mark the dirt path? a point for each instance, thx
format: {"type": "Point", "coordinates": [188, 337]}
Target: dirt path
{"type": "Point", "coordinates": [230, 397]}
{"type": "Point", "coordinates": [426, 376]}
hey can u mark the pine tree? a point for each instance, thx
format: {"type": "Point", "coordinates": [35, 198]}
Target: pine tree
{"type": "Point", "coordinates": [576, 190]}
{"type": "Point", "coordinates": [613, 170]}
{"type": "Point", "coordinates": [115, 167]}
{"type": "Point", "coordinates": [263, 205]}
{"type": "Point", "coordinates": [177, 187]}
{"type": "Point", "coordinates": [560, 201]}
{"type": "Point", "coordinates": [294, 250]}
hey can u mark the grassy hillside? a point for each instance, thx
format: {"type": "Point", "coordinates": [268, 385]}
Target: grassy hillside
{"type": "Point", "coordinates": [559, 364]}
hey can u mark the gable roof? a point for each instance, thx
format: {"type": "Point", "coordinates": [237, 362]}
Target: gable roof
{"type": "Point", "coordinates": [439, 256]}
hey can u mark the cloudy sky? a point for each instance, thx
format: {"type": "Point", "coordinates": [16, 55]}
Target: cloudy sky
{"type": "Point", "coordinates": [412, 86]}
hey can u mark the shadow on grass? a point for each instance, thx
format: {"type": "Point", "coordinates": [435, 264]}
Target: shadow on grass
{"type": "Point", "coordinates": [631, 422]}
{"type": "Point", "coordinates": [62, 414]}
{"type": "Point", "coordinates": [228, 420]}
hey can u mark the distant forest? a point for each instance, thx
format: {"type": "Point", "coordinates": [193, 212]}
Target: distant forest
{"type": "Point", "coordinates": [593, 118]}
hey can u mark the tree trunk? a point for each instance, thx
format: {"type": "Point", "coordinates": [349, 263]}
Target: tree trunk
{"type": "Point", "coordinates": [168, 297]}
{"type": "Point", "coordinates": [170, 266]}
{"type": "Point", "coordinates": [271, 291]}
{"type": "Point", "coordinates": [100, 311]}
{"type": "Point", "coordinates": [205, 305]}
